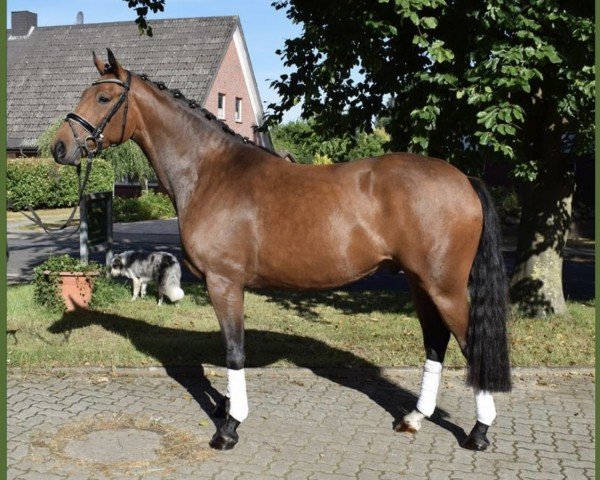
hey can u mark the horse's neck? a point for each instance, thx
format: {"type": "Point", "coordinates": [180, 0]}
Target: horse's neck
{"type": "Point", "coordinates": [180, 146]}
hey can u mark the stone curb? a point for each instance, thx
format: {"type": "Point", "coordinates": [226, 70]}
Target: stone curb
{"type": "Point", "coordinates": [216, 371]}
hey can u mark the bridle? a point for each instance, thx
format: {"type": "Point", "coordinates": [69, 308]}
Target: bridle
{"type": "Point", "coordinates": [95, 135]}
{"type": "Point", "coordinates": [95, 138]}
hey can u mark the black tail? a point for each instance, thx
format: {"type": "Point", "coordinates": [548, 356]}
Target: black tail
{"type": "Point", "coordinates": [487, 354]}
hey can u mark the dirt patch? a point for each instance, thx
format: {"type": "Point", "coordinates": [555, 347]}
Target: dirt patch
{"type": "Point", "coordinates": [172, 448]}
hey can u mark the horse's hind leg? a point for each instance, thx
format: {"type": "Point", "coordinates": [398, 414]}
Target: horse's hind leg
{"type": "Point", "coordinates": [455, 311]}
{"type": "Point", "coordinates": [435, 338]}
{"type": "Point", "coordinates": [450, 300]}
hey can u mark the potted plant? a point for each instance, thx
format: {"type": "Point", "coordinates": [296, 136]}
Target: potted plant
{"type": "Point", "coordinates": [65, 283]}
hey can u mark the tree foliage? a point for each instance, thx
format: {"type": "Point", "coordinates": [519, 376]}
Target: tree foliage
{"type": "Point", "coordinates": [309, 145]}
{"type": "Point", "coordinates": [465, 76]}
{"type": "Point", "coordinates": [141, 8]}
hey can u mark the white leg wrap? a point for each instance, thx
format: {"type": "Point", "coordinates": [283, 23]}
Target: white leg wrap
{"type": "Point", "coordinates": [432, 373]}
{"type": "Point", "coordinates": [236, 391]}
{"type": "Point", "coordinates": [486, 410]}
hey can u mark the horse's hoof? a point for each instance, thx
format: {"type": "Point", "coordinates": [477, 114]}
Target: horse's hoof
{"type": "Point", "coordinates": [477, 439]}
{"type": "Point", "coordinates": [411, 423]}
{"type": "Point", "coordinates": [226, 436]}
{"type": "Point", "coordinates": [476, 443]}
{"type": "Point", "coordinates": [405, 427]}
{"type": "Point", "coordinates": [223, 442]}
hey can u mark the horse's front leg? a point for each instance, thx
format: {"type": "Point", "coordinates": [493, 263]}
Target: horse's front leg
{"type": "Point", "coordinates": [227, 298]}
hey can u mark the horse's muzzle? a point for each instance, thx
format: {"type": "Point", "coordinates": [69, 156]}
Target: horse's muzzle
{"type": "Point", "coordinates": [62, 156]}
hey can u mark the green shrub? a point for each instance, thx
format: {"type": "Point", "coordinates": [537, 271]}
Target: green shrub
{"type": "Point", "coordinates": [149, 206]}
{"type": "Point", "coordinates": [304, 140]}
{"type": "Point", "coordinates": [370, 144]}
{"type": "Point", "coordinates": [129, 162]}
{"type": "Point", "coordinates": [42, 183]}
{"type": "Point", "coordinates": [507, 201]}
{"type": "Point", "coordinates": [295, 137]}
{"type": "Point", "coordinates": [47, 137]}
{"type": "Point", "coordinates": [108, 292]}
{"type": "Point", "coordinates": [511, 204]}
{"type": "Point", "coordinates": [46, 286]}
{"type": "Point", "coordinates": [322, 160]}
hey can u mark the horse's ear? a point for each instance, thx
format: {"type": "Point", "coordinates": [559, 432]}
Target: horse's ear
{"type": "Point", "coordinates": [98, 63]}
{"type": "Point", "coordinates": [114, 65]}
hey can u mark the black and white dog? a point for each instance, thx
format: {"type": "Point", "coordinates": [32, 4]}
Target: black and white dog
{"type": "Point", "coordinates": [143, 267]}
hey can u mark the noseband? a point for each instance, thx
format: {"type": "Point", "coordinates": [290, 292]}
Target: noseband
{"type": "Point", "coordinates": [95, 137]}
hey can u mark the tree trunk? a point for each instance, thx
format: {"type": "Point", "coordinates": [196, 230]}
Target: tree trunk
{"type": "Point", "coordinates": [536, 286]}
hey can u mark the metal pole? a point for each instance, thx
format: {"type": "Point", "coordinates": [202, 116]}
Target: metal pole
{"type": "Point", "coordinates": [83, 232]}
{"type": "Point", "coordinates": [109, 233]}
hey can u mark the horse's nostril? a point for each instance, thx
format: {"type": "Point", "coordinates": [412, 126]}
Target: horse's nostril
{"type": "Point", "coordinates": [59, 150]}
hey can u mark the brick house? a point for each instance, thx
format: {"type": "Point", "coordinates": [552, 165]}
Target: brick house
{"type": "Point", "coordinates": [48, 68]}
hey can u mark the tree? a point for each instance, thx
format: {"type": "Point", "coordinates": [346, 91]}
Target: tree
{"type": "Point", "coordinates": [141, 7]}
{"type": "Point", "coordinates": [470, 80]}
{"type": "Point", "coordinates": [308, 145]}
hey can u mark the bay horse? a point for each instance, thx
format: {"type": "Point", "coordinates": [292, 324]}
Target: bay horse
{"type": "Point", "coordinates": [248, 219]}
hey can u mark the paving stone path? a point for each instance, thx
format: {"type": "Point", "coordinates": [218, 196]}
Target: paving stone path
{"type": "Point", "coordinates": [302, 425]}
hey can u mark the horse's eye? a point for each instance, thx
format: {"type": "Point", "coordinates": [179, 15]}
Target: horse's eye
{"type": "Point", "coordinates": [103, 99]}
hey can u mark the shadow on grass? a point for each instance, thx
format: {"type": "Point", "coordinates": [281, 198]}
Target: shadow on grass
{"type": "Point", "coordinates": [179, 349]}
{"type": "Point", "coordinates": [307, 304]}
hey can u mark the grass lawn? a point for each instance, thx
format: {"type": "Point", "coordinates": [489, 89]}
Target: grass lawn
{"type": "Point", "coordinates": [327, 329]}
{"type": "Point", "coordinates": [44, 213]}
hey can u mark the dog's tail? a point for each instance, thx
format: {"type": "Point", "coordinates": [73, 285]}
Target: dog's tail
{"type": "Point", "coordinates": [170, 277]}
{"type": "Point", "coordinates": [174, 293]}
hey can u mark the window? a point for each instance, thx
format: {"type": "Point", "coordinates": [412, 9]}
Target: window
{"type": "Point", "coordinates": [221, 106]}
{"type": "Point", "coordinates": [238, 109]}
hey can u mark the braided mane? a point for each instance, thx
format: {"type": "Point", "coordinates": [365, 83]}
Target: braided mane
{"type": "Point", "coordinates": [194, 104]}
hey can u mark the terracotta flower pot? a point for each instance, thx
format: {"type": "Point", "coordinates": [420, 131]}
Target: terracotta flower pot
{"type": "Point", "coordinates": [76, 288]}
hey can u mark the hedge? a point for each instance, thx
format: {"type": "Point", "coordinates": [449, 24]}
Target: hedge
{"type": "Point", "coordinates": [150, 206]}
{"type": "Point", "coordinates": [42, 183]}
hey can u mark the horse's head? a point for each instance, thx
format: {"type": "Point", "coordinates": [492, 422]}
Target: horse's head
{"type": "Point", "coordinates": [102, 117]}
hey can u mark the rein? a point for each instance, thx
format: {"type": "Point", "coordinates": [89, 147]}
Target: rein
{"type": "Point", "coordinates": [96, 140]}
{"type": "Point", "coordinates": [35, 218]}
